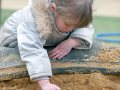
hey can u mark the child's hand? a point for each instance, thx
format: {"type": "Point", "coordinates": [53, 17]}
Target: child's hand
{"type": "Point", "coordinates": [63, 48]}
{"type": "Point", "coordinates": [46, 85]}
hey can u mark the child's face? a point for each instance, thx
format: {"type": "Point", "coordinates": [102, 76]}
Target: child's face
{"type": "Point", "coordinates": [64, 25]}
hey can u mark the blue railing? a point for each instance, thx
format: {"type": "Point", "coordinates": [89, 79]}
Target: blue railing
{"type": "Point", "coordinates": [104, 37]}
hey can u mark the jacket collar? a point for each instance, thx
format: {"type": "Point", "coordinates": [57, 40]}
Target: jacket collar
{"type": "Point", "coordinates": [40, 10]}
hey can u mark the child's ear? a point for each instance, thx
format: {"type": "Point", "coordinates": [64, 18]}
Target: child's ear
{"type": "Point", "coordinates": [53, 7]}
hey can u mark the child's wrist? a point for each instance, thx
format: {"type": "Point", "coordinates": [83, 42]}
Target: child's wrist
{"type": "Point", "coordinates": [75, 42]}
{"type": "Point", "coordinates": [43, 82]}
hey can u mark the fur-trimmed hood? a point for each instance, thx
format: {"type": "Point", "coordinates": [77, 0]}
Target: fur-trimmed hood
{"type": "Point", "coordinates": [40, 10]}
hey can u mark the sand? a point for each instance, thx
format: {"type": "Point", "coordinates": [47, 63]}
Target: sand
{"type": "Point", "coordinates": [94, 81]}
{"type": "Point", "coordinates": [109, 55]}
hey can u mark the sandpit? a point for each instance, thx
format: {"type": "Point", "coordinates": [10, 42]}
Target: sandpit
{"type": "Point", "coordinates": [94, 81]}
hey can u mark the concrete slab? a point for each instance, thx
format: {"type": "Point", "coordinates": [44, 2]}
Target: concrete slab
{"type": "Point", "coordinates": [78, 61]}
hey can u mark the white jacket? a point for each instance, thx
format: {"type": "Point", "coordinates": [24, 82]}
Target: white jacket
{"type": "Point", "coordinates": [19, 31]}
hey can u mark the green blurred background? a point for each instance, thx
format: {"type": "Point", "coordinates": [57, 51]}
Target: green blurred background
{"type": "Point", "coordinates": [106, 17]}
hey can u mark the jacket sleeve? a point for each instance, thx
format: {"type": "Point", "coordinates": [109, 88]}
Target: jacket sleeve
{"type": "Point", "coordinates": [32, 52]}
{"type": "Point", "coordinates": [85, 36]}
{"type": "Point", "coordinates": [8, 31]}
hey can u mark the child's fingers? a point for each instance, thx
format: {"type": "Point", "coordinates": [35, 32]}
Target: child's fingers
{"type": "Point", "coordinates": [62, 55]}
{"type": "Point", "coordinates": [54, 53]}
{"type": "Point", "coordinates": [54, 50]}
{"type": "Point", "coordinates": [56, 87]}
{"type": "Point", "coordinates": [57, 55]}
{"type": "Point", "coordinates": [59, 47]}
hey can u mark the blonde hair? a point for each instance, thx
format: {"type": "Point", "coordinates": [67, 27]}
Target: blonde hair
{"type": "Point", "coordinates": [81, 10]}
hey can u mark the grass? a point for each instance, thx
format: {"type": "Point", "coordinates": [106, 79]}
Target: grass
{"type": "Point", "coordinates": [100, 23]}
{"type": "Point", "coordinates": [4, 15]}
{"type": "Point", "coordinates": [106, 24]}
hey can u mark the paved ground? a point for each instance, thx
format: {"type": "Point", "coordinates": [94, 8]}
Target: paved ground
{"type": "Point", "coordinates": [107, 7]}
{"type": "Point", "coordinates": [104, 7]}
{"type": "Point", "coordinates": [14, 4]}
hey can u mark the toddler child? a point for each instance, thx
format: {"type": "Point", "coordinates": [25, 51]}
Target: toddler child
{"type": "Point", "coordinates": [65, 24]}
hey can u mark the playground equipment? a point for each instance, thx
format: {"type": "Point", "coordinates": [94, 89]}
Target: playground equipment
{"type": "Point", "coordinates": [103, 37]}
{"type": "Point", "coordinates": [78, 61]}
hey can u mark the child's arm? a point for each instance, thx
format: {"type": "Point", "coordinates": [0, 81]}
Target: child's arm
{"type": "Point", "coordinates": [80, 39]}
{"type": "Point", "coordinates": [34, 55]}
{"type": "Point", "coordinates": [46, 85]}
{"type": "Point", "coordinates": [84, 35]}
{"type": "Point", "coordinates": [64, 48]}
{"type": "Point", "coordinates": [8, 31]}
